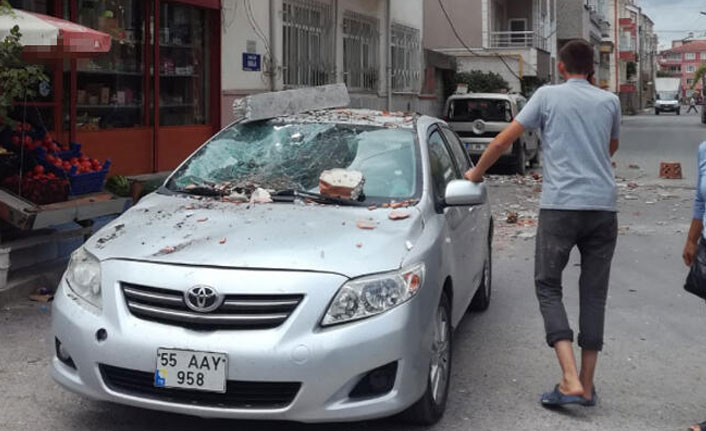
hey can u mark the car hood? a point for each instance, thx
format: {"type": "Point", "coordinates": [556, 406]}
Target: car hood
{"type": "Point", "coordinates": [289, 236]}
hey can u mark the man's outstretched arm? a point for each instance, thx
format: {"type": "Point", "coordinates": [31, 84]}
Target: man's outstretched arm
{"type": "Point", "coordinates": [614, 144]}
{"type": "Point", "coordinates": [495, 149]}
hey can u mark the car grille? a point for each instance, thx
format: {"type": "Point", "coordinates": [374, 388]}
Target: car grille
{"type": "Point", "coordinates": [246, 395]}
{"type": "Point", "coordinates": [237, 311]}
{"type": "Point", "coordinates": [474, 135]}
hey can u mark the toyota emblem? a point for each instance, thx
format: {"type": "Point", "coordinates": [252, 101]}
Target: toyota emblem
{"type": "Point", "coordinates": [203, 299]}
{"type": "Point", "coordinates": [479, 127]}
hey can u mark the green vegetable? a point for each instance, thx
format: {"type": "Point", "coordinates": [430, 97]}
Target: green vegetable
{"type": "Point", "coordinates": [118, 185]}
{"type": "Point", "coordinates": [108, 14]}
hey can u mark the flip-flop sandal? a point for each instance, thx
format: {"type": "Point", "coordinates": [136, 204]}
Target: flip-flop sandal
{"type": "Point", "coordinates": [702, 426]}
{"type": "Point", "coordinates": [592, 402]}
{"type": "Point", "coordinates": [556, 398]}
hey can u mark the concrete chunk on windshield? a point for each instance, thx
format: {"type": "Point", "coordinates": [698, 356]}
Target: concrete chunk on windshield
{"type": "Point", "coordinates": [290, 102]}
{"type": "Point", "coordinates": [341, 183]}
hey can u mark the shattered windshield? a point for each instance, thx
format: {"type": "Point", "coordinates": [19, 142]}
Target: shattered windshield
{"type": "Point", "coordinates": [278, 155]}
{"type": "Point", "coordinates": [480, 109]}
{"type": "Point", "coordinates": [667, 95]}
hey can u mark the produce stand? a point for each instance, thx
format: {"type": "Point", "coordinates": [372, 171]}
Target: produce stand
{"type": "Point", "coordinates": [38, 220]}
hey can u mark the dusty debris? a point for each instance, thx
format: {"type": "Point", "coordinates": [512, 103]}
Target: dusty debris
{"type": "Point", "coordinates": [409, 245]}
{"type": "Point", "coordinates": [372, 208]}
{"type": "Point", "coordinates": [632, 185]}
{"type": "Point", "coordinates": [630, 198]}
{"type": "Point", "coordinates": [633, 166]}
{"type": "Point", "coordinates": [341, 183]}
{"type": "Point", "coordinates": [398, 215]}
{"type": "Point", "coordinates": [359, 245]}
{"type": "Point", "coordinates": [526, 222]}
{"type": "Point", "coordinates": [201, 220]}
{"type": "Point", "coordinates": [260, 196]}
{"type": "Point", "coordinates": [366, 224]}
{"type": "Point", "coordinates": [223, 240]}
{"type": "Point", "coordinates": [512, 217]}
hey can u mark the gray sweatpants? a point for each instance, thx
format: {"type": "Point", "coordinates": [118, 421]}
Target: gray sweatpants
{"type": "Point", "coordinates": [595, 234]}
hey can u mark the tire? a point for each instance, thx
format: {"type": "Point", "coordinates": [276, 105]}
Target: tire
{"type": "Point", "coordinates": [481, 300]}
{"type": "Point", "coordinates": [656, 112]}
{"type": "Point", "coordinates": [430, 408]}
{"type": "Point", "coordinates": [521, 161]}
{"type": "Point", "coordinates": [534, 161]}
{"type": "Point", "coordinates": [678, 111]}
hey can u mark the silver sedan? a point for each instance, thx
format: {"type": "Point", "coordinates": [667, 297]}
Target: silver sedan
{"type": "Point", "coordinates": [242, 289]}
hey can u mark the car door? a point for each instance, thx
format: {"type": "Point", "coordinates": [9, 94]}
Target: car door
{"type": "Point", "coordinates": [529, 137]}
{"type": "Point", "coordinates": [458, 236]}
{"type": "Point", "coordinates": [473, 233]}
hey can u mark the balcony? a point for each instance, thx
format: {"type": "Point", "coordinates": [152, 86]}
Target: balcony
{"type": "Point", "coordinates": [517, 39]}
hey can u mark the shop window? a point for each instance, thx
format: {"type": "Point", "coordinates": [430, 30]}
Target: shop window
{"type": "Point", "coordinates": [405, 50]}
{"type": "Point", "coordinates": [184, 65]}
{"type": "Point", "coordinates": [307, 58]}
{"type": "Point", "coordinates": [110, 91]}
{"type": "Point", "coordinates": [361, 60]}
{"type": "Point", "coordinates": [690, 56]}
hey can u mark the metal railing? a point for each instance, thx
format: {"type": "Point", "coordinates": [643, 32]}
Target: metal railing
{"type": "Point", "coordinates": [517, 39]}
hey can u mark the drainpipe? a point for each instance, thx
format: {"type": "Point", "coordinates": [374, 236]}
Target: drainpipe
{"type": "Point", "coordinates": [335, 41]}
{"type": "Point", "coordinates": [273, 37]}
{"type": "Point", "coordinates": [388, 30]}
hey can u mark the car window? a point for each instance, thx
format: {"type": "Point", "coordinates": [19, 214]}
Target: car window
{"type": "Point", "coordinates": [480, 109]}
{"type": "Point", "coordinates": [443, 170]}
{"type": "Point", "coordinates": [280, 155]}
{"type": "Point", "coordinates": [458, 150]}
{"type": "Point", "coordinates": [520, 105]}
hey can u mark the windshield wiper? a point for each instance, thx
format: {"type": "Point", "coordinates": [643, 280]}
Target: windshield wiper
{"type": "Point", "coordinates": [200, 191]}
{"type": "Point", "coordinates": [291, 194]}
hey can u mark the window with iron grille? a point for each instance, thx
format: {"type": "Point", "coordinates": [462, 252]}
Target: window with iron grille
{"type": "Point", "coordinates": [361, 59]}
{"type": "Point", "coordinates": [405, 50]}
{"type": "Point", "coordinates": [307, 58]}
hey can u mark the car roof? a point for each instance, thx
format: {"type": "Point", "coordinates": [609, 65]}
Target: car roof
{"type": "Point", "coordinates": [368, 117]}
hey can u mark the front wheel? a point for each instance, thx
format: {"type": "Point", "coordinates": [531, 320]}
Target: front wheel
{"type": "Point", "coordinates": [430, 408]}
{"type": "Point", "coordinates": [678, 111]}
{"type": "Point", "coordinates": [656, 112]}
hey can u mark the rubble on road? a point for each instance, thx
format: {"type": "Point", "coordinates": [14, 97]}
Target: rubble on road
{"type": "Point", "coordinates": [398, 215]}
{"type": "Point", "coordinates": [260, 196]}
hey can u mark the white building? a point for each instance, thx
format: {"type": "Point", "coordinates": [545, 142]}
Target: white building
{"type": "Point", "coordinates": [279, 44]}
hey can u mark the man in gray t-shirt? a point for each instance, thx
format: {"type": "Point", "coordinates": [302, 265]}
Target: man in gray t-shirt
{"type": "Point", "coordinates": [580, 126]}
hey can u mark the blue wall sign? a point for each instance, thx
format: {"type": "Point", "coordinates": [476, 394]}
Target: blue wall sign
{"type": "Point", "coordinates": [252, 62]}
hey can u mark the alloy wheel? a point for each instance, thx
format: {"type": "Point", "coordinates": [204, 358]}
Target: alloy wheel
{"type": "Point", "coordinates": [441, 355]}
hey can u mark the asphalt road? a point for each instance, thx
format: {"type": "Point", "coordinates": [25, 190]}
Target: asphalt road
{"type": "Point", "coordinates": [651, 375]}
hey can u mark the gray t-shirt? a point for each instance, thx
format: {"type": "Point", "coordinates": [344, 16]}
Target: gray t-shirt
{"type": "Point", "coordinates": [577, 122]}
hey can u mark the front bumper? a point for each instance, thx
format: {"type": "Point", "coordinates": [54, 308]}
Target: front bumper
{"type": "Point", "coordinates": [667, 108]}
{"type": "Point", "coordinates": [328, 362]}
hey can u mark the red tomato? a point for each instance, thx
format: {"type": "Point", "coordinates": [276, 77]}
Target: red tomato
{"type": "Point", "coordinates": [73, 161]}
{"type": "Point", "coordinates": [16, 141]}
{"type": "Point", "coordinates": [48, 140]}
{"type": "Point", "coordinates": [83, 159]}
{"type": "Point", "coordinates": [27, 127]}
{"type": "Point", "coordinates": [55, 148]}
{"type": "Point", "coordinates": [51, 175]}
{"type": "Point", "coordinates": [28, 140]}
{"type": "Point", "coordinates": [66, 166]}
{"type": "Point", "coordinates": [39, 169]}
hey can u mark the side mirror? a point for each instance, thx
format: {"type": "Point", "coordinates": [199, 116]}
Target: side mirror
{"type": "Point", "coordinates": [465, 193]}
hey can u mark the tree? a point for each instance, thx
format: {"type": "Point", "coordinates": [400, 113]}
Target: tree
{"type": "Point", "coordinates": [482, 82]}
{"type": "Point", "coordinates": [18, 80]}
{"type": "Point", "coordinates": [698, 75]}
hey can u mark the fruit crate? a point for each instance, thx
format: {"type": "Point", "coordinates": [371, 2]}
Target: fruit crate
{"type": "Point", "coordinates": [42, 191]}
{"type": "Point", "coordinates": [80, 184]}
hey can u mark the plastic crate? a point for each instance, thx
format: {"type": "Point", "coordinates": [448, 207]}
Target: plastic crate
{"type": "Point", "coordinates": [80, 184]}
{"type": "Point", "coordinates": [73, 151]}
{"type": "Point", "coordinates": [40, 191]}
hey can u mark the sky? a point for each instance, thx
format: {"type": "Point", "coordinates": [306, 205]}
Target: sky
{"type": "Point", "coordinates": [674, 19]}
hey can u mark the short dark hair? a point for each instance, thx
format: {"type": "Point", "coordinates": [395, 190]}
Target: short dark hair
{"type": "Point", "coordinates": [577, 55]}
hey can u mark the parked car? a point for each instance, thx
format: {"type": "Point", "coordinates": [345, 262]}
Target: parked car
{"type": "Point", "coordinates": [199, 300]}
{"type": "Point", "coordinates": [479, 117]}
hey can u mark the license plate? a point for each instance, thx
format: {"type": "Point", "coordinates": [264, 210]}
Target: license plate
{"type": "Point", "coordinates": [185, 369]}
{"type": "Point", "coordinates": [479, 147]}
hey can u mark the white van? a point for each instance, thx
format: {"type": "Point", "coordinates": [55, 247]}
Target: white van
{"type": "Point", "coordinates": [479, 117]}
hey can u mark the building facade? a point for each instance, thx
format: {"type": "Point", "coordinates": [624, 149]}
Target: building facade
{"type": "Point", "coordinates": [682, 61]}
{"type": "Point", "coordinates": [374, 46]}
{"type": "Point", "coordinates": [515, 38]}
{"type": "Point", "coordinates": [580, 19]}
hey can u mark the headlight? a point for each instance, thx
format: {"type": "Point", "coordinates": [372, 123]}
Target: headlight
{"type": "Point", "coordinates": [84, 277]}
{"type": "Point", "coordinates": [369, 296]}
